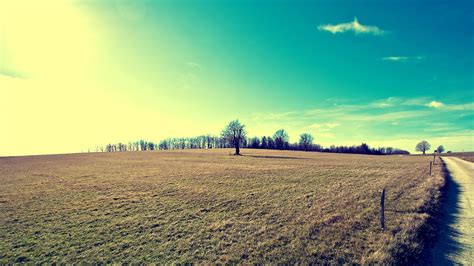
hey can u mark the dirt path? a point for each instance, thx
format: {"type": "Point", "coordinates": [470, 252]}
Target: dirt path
{"type": "Point", "coordinates": [456, 241]}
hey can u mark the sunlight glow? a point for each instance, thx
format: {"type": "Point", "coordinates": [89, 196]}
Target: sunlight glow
{"type": "Point", "coordinates": [45, 39]}
{"type": "Point", "coordinates": [79, 73]}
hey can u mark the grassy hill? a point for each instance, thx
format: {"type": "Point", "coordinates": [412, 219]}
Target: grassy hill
{"type": "Point", "coordinates": [207, 206]}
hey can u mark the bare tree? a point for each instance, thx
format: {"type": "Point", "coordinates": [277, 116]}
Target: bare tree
{"type": "Point", "coordinates": [281, 139]}
{"type": "Point", "coordinates": [235, 134]}
{"type": "Point", "coordinates": [440, 149]}
{"type": "Point", "coordinates": [306, 140]}
{"type": "Point", "coordinates": [423, 146]}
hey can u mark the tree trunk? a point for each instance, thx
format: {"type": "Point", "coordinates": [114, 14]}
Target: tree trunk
{"type": "Point", "coordinates": [237, 149]}
{"type": "Point", "coordinates": [423, 152]}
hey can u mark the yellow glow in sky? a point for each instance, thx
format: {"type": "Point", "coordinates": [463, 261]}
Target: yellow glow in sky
{"type": "Point", "coordinates": [45, 39]}
{"type": "Point", "coordinates": [75, 74]}
{"type": "Point", "coordinates": [46, 46]}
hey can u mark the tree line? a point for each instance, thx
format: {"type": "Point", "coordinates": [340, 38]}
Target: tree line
{"type": "Point", "coordinates": [234, 135]}
{"type": "Point", "coordinates": [199, 142]}
{"type": "Point", "coordinates": [305, 143]}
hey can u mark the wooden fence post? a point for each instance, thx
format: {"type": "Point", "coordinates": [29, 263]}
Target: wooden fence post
{"type": "Point", "coordinates": [431, 165]}
{"type": "Point", "coordinates": [382, 210]}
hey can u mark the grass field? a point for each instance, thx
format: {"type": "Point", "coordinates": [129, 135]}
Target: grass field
{"type": "Point", "coordinates": [208, 206]}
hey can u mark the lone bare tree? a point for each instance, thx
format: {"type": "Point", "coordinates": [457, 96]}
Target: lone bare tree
{"type": "Point", "coordinates": [423, 146]}
{"type": "Point", "coordinates": [235, 134]}
{"type": "Point", "coordinates": [306, 140]}
{"type": "Point", "coordinates": [440, 149]}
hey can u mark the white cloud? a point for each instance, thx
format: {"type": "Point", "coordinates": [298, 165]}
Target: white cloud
{"type": "Point", "coordinates": [395, 58]}
{"type": "Point", "coordinates": [435, 104]}
{"type": "Point", "coordinates": [402, 58]}
{"type": "Point", "coordinates": [353, 26]}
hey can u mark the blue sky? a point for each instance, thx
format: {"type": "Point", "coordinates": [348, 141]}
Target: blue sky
{"type": "Point", "coordinates": [381, 72]}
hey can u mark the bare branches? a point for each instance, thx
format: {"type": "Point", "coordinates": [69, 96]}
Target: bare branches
{"type": "Point", "coordinates": [234, 133]}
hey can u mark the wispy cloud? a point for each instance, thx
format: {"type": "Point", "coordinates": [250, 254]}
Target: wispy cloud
{"type": "Point", "coordinates": [191, 76]}
{"type": "Point", "coordinates": [389, 120]}
{"type": "Point", "coordinates": [460, 107]}
{"type": "Point", "coordinates": [193, 65]}
{"type": "Point", "coordinates": [450, 107]}
{"type": "Point", "coordinates": [353, 26]}
{"type": "Point", "coordinates": [274, 116]}
{"type": "Point", "coordinates": [402, 58]}
{"type": "Point", "coordinates": [324, 126]}
{"type": "Point", "coordinates": [322, 130]}
{"type": "Point", "coordinates": [385, 103]}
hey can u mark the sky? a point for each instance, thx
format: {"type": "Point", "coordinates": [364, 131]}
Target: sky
{"type": "Point", "coordinates": [75, 74]}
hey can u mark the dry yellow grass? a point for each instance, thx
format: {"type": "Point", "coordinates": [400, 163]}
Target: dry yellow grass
{"type": "Point", "coordinates": [208, 206]}
{"type": "Point", "coordinates": [468, 156]}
